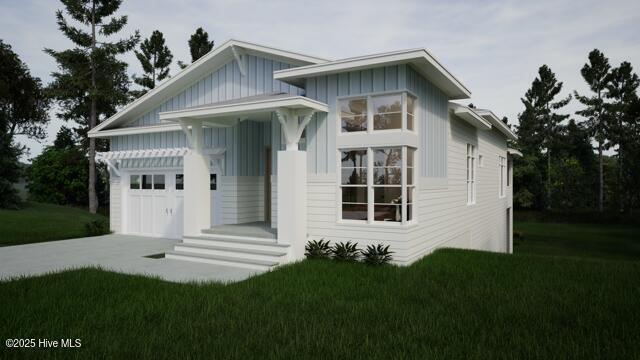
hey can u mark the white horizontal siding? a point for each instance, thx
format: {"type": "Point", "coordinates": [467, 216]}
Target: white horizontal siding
{"type": "Point", "coordinates": [242, 199]}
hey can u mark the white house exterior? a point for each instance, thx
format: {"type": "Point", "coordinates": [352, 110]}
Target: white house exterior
{"type": "Point", "coordinates": [251, 151]}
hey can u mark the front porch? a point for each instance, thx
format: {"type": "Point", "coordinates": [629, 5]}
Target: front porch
{"type": "Point", "coordinates": [258, 229]}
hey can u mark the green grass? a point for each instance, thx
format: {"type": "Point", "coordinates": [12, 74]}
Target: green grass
{"type": "Point", "coordinates": [601, 241]}
{"type": "Point", "coordinates": [452, 304]}
{"type": "Point", "coordinates": [36, 222]}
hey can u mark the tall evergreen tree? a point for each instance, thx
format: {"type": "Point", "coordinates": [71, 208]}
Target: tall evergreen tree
{"type": "Point", "coordinates": [155, 58]}
{"type": "Point", "coordinates": [540, 124]}
{"type": "Point", "coordinates": [597, 75]}
{"type": "Point", "coordinates": [91, 82]}
{"type": "Point", "coordinates": [622, 91]}
{"type": "Point", "coordinates": [199, 45]}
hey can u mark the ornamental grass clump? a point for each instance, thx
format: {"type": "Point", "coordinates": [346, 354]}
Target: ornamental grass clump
{"type": "Point", "coordinates": [377, 255]}
{"type": "Point", "coordinates": [345, 251]}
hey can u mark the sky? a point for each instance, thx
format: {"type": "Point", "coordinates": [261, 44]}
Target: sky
{"type": "Point", "coordinates": [494, 47]}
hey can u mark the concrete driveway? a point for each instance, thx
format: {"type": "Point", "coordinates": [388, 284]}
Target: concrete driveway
{"type": "Point", "coordinates": [120, 253]}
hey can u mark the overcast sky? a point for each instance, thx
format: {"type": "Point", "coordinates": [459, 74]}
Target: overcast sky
{"type": "Point", "coordinates": [494, 47]}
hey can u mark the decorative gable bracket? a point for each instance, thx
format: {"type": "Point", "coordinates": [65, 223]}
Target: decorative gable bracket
{"type": "Point", "coordinates": [241, 58]}
{"type": "Point", "coordinates": [292, 127]}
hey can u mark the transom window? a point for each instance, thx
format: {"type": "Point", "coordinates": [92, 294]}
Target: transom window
{"type": "Point", "coordinates": [471, 174]}
{"type": "Point", "coordinates": [213, 182]}
{"type": "Point", "coordinates": [377, 112]}
{"type": "Point", "coordinates": [147, 182]}
{"type": "Point", "coordinates": [377, 184]}
{"type": "Point", "coordinates": [502, 162]}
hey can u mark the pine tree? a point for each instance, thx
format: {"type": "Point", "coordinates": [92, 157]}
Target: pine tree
{"type": "Point", "coordinates": [597, 75]}
{"type": "Point", "coordinates": [622, 91]}
{"type": "Point", "coordinates": [155, 58]}
{"type": "Point", "coordinates": [199, 45]}
{"type": "Point", "coordinates": [91, 82]}
{"type": "Point", "coordinates": [540, 124]}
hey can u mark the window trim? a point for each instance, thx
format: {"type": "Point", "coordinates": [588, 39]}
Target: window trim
{"type": "Point", "coordinates": [370, 112]}
{"type": "Point", "coordinates": [502, 183]}
{"type": "Point", "coordinates": [471, 172]}
{"type": "Point", "coordinates": [370, 188]}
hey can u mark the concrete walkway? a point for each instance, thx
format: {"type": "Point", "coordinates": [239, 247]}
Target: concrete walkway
{"type": "Point", "coordinates": [120, 253]}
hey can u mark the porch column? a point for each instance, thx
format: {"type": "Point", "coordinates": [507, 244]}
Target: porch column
{"type": "Point", "coordinates": [197, 200]}
{"type": "Point", "coordinates": [292, 184]}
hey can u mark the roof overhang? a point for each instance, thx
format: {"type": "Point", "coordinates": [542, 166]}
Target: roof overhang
{"type": "Point", "coordinates": [469, 115]}
{"type": "Point", "coordinates": [497, 123]}
{"type": "Point", "coordinates": [135, 130]}
{"type": "Point", "coordinates": [213, 60]}
{"type": "Point", "coordinates": [514, 152]}
{"type": "Point", "coordinates": [255, 109]}
{"type": "Point", "coordinates": [420, 59]}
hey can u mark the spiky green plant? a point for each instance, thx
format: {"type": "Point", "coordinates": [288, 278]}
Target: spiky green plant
{"type": "Point", "coordinates": [345, 251]}
{"type": "Point", "coordinates": [377, 255]}
{"type": "Point", "coordinates": [317, 249]}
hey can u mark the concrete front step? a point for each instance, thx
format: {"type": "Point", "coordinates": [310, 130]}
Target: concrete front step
{"type": "Point", "coordinates": [238, 242]}
{"type": "Point", "coordinates": [276, 255]}
{"type": "Point", "coordinates": [222, 260]}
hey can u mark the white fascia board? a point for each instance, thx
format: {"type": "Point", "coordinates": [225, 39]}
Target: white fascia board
{"type": "Point", "coordinates": [467, 114]}
{"type": "Point", "coordinates": [134, 130]}
{"type": "Point", "coordinates": [189, 75]}
{"type": "Point", "coordinates": [293, 102]}
{"type": "Point", "coordinates": [497, 122]}
{"type": "Point", "coordinates": [420, 58]}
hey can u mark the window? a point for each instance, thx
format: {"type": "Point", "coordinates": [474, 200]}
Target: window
{"type": "Point", "coordinates": [179, 181]}
{"type": "Point", "coordinates": [134, 182]}
{"type": "Point", "coordinates": [471, 174]}
{"type": "Point", "coordinates": [158, 182]}
{"type": "Point", "coordinates": [374, 184]}
{"type": "Point", "coordinates": [213, 182]}
{"type": "Point", "coordinates": [378, 112]}
{"type": "Point", "coordinates": [147, 182]}
{"type": "Point", "coordinates": [502, 161]}
{"type": "Point", "coordinates": [353, 114]}
{"type": "Point", "coordinates": [387, 112]}
{"type": "Point", "coordinates": [354, 184]}
{"type": "Point", "coordinates": [509, 168]}
{"type": "Point", "coordinates": [480, 161]}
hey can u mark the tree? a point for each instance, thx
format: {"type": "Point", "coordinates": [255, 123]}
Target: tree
{"type": "Point", "coordinates": [9, 168]}
{"type": "Point", "coordinates": [622, 91]}
{"type": "Point", "coordinates": [597, 75]}
{"type": "Point", "coordinates": [60, 173]}
{"type": "Point", "coordinates": [91, 82]}
{"type": "Point", "coordinates": [199, 45]}
{"type": "Point", "coordinates": [540, 124]}
{"type": "Point", "coordinates": [155, 58]}
{"type": "Point", "coordinates": [23, 103]}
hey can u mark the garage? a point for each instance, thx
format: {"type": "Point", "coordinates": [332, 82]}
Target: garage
{"type": "Point", "coordinates": [154, 203]}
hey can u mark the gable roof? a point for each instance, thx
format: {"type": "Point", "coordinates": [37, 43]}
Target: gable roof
{"type": "Point", "coordinates": [216, 58]}
{"type": "Point", "coordinates": [469, 115]}
{"type": "Point", "coordinates": [497, 123]}
{"type": "Point", "coordinates": [421, 60]}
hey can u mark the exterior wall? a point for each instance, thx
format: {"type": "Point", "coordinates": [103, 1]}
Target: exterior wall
{"type": "Point", "coordinates": [115, 204]}
{"type": "Point", "coordinates": [223, 84]}
{"type": "Point", "coordinates": [242, 199]}
{"type": "Point", "coordinates": [444, 218]}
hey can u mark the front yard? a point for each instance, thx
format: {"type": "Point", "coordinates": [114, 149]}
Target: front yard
{"type": "Point", "coordinates": [37, 222]}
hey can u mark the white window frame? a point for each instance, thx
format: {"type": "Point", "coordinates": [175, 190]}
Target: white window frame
{"type": "Point", "coordinates": [502, 183]}
{"type": "Point", "coordinates": [471, 174]}
{"type": "Point", "coordinates": [370, 188]}
{"type": "Point", "coordinates": [370, 112]}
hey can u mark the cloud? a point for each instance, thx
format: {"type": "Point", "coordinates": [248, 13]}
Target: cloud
{"type": "Point", "coordinates": [495, 47]}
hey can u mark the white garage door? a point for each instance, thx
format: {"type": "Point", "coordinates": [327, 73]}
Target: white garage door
{"type": "Point", "coordinates": [155, 203]}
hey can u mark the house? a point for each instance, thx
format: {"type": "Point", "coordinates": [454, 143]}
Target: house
{"type": "Point", "coordinates": [251, 151]}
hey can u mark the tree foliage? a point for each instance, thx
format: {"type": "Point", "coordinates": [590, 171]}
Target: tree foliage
{"type": "Point", "coordinates": [155, 59]}
{"type": "Point", "coordinates": [199, 45]}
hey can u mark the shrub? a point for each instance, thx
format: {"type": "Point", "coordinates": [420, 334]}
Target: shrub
{"type": "Point", "coordinates": [345, 251]}
{"type": "Point", "coordinates": [97, 227]}
{"type": "Point", "coordinates": [518, 235]}
{"type": "Point", "coordinates": [377, 255]}
{"type": "Point", "coordinates": [317, 249]}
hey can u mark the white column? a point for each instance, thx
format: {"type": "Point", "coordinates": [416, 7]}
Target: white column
{"type": "Point", "coordinates": [292, 201]}
{"type": "Point", "coordinates": [197, 202]}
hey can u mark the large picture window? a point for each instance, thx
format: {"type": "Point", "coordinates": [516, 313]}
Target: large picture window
{"type": "Point", "coordinates": [378, 112]}
{"type": "Point", "coordinates": [377, 184]}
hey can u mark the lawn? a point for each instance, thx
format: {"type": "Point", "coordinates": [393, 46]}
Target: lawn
{"type": "Point", "coordinates": [600, 241]}
{"type": "Point", "coordinates": [452, 304]}
{"type": "Point", "coordinates": [37, 222]}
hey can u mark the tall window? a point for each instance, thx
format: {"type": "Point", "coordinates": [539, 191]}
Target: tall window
{"type": "Point", "coordinates": [471, 174]}
{"type": "Point", "coordinates": [502, 162]}
{"type": "Point", "coordinates": [378, 112]}
{"type": "Point", "coordinates": [377, 184]}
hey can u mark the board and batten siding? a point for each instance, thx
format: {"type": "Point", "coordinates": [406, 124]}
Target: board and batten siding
{"type": "Point", "coordinates": [224, 84]}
